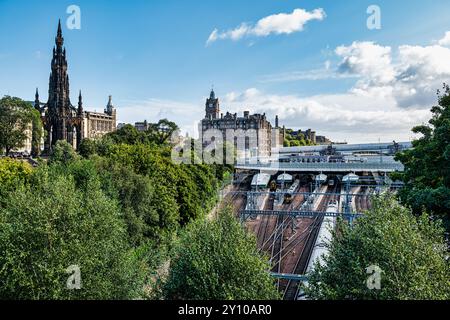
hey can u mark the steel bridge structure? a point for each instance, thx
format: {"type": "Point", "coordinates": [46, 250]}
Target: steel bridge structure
{"type": "Point", "coordinates": [323, 167]}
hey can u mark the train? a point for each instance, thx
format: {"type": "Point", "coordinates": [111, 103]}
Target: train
{"type": "Point", "coordinates": [320, 248]}
{"type": "Point", "coordinates": [289, 196]}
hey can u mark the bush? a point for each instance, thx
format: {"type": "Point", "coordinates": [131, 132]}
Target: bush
{"type": "Point", "coordinates": [218, 260]}
{"type": "Point", "coordinates": [63, 152]}
{"type": "Point", "coordinates": [13, 173]}
{"type": "Point", "coordinates": [45, 230]}
{"type": "Point", "coordinates": [410, 252]}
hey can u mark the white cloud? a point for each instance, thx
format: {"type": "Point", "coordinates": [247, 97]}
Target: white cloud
{"type": "Point", "coordinates": [445, 41]}
{"type": "Point", "coordinates": [282, 23]}
{"type": "Point", "coordinates": [348, 116]}
{"type": "Point", "coordinates": [368, 60]}
{"type": "Point", "coordinates": [314, 74]}
{"type": "Point", "coordinates": [394, 89]}
{"type": "Point", "coordinates": [410, 74]}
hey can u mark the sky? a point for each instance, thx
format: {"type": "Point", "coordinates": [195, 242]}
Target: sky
{"type": "Point", "coordinates": [316, 64]}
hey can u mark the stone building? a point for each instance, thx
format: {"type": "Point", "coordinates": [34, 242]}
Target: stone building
{"type": "Point", "coordinates": [142, 126]}
{"type": "Point", "coordinates": [62, 120]}
{"type": "Point", "coordinates": [259, 144]}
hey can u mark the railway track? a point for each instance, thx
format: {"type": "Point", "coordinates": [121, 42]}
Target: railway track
{"type": "Point", "coordinates": [362, 200]}
{"type": "Point", "coordinates": [278, 236]}
{"type": "Point", "coordinates": [292, 287]}
{"type": "Point", "coordinates": [265, 222]}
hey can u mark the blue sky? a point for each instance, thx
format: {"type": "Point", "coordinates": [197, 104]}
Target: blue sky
{"type": "Point", "coordinates": [153, 57]}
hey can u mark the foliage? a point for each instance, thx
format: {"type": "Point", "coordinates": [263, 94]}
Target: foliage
{"type": "Point", "coordinates": [37, 132]}
{"type": "Point", "coordinates": [63, 152]}
{"type": "Point", "coordinates": [291, 140]}
{"type": "Point", "coordinates": [149, 209]}
{"type": "Point", "coordinates": [157, 133]}
{"type": "Point", "coordinates": [47, 228]}
{"type": "Point", "coordinates": [218, 260]}
{"type": "Point", "coordinates": [16, 116]}
{"type": "Point", "coordinates": [178, 180]}
{"type": "Point", "coordinates": [410, 252]}
{"type": "Point", "coordinates": [161, 132]}
{"type": "Point", "coordinates": [128, 134]}
{"type": "Point", "coordinates": [13, 173]}
{"type": "Point", "coordinates": [114, 210]}
{"type": "Point", "coordinates": [427, 165]}
{"type": "Point", "coordinates": [87, 148]}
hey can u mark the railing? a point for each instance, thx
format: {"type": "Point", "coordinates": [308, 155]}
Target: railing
{"type": "Point", "coordinates": [323, 167]}
{"type": "Point", "coordinates": [297, 214]}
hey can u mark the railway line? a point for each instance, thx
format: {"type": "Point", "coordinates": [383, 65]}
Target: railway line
{"type": "Point", "coordinates": [310, 236]}
{"type": "Point", "coordinates": [280, 240]}
{"type": "Point", "coordinates": [289, 241]}
{"type": "Point", "coordinates": [237, 198]}
{"type": "Point", "coordinates": [362, 201]}
{"type": "Point", "coordinates": [265, 223]}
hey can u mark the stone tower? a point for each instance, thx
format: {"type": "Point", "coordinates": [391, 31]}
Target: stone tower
{"type": "Point", "coordinates": [212, 106]}
{"type": "Point", "coordinates": [110, 110]}
{"type": "Point", "coordinates": [62, 121]}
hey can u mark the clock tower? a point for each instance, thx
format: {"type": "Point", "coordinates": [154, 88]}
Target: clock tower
{"type": "Point", "coordinates": [212, 107]}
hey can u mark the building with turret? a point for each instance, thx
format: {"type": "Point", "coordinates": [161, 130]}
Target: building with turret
{"type": "Point", "coordinates": [264, 137]}
{"type": "Point", "coordinates": [63, 121]}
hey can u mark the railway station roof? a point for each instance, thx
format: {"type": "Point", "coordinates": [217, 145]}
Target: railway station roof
{"type": "Point", "coordinates": [261, 179]}
{"type": "Point", "coordinates": [350, 178]}
{"type": "Point", "coordinates": [321, 177]}
{"type": "Point", "coordinates": [284, 177]}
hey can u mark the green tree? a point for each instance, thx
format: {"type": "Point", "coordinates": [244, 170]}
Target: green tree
{"type": "Point", "coordinates": [410, 252]}
{"type": "Point", "coordinates": [161, 132]}
{"type": "Point", "coordinates": [37, 132]}
{"type": "Point", "coordinates": [63, 152]}
{"type": "Point", "coordinates": [13, 173]}
{"type": "Point", "coordinates": [427, 165]}
{"type": "Point", "coordinates": [16, 116]}
{"type": "Point", "coordinates": [179, 180]}
{"type": "Point", "coordinates": [149, 210]}
{"type": "Point", "coordinates": [87, 148]}
{"type": "Point", "coordinates": [47, 228]}
{"type": "Point", "coordinates": [218, 260]}
{"type": "Point", "coordinates": [128, 134]}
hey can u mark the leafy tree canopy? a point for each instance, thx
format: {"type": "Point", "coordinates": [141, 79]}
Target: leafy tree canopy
{"type": "Point", "coordinates": [427, 165]}
{"type": "Point", "coordinates": [63, 152]}
{"type": "Point", "coordinates": [410, 252]}
{"type": "Point", "coordinates": [13, 173]}
{"type": "Point", "coordinates": [162, 131]}
{"type": "Point", "coordinates": [46, 229]}
{"type": "Point", "coordinates": [16, 116]}
{"type": "Point", "coordinates": [219, 260]}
